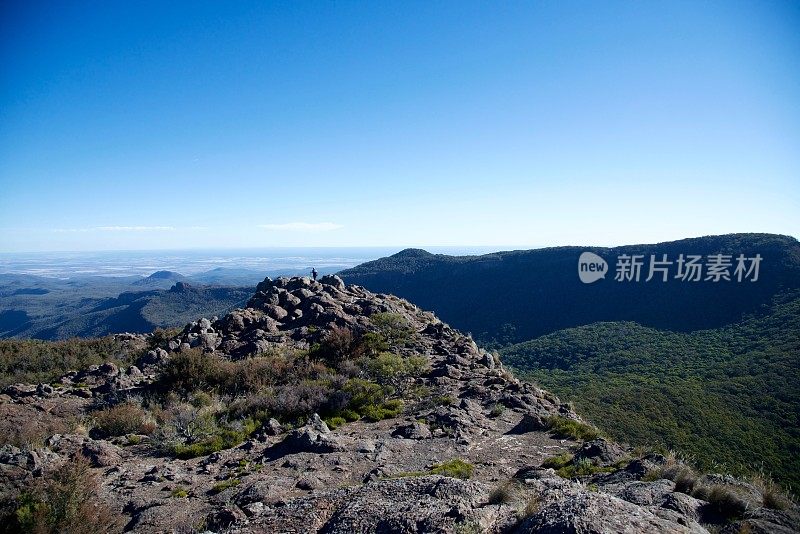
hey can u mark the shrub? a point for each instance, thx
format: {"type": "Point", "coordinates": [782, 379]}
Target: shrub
{"type": "Point", "coordinates": [685, 480]}
{"type": "Point", "coordinates": [335, 422]}
{"type": "Point", "coordinates": [201, 399]}
{"type": "Point", "coordinates": [219, 487]}
{"type": "Point", "coordinates": [387, 410]}
{"type": "Point", "coordinates": [532, 507]}
{"type": "Point", "coordinates": [371, 344]}
{"type": "Point", "coordinates": [454, 469]}
{"type": "Point", "coordinates": [338, 345]}
{"type": "Point", "coordinates": [35, 361]}
{"type": "Point", "coordinates": [31, 433]}
{"type": "Point", "coordinates": [119, 420]}
{"type": "Point", "coordinates": [297, 401]}
{"type": "Point", "coordinates": [363, 393]}
{"type": "Point", "coordinates": [505, 493]}
{"type": "Point", "coordinates": [65, 500]}
{"type": "Point", "coordinates": [569, 428]}
{"type": "Point", "coordinates": [193, 370]}
{"type": "Point", "coordinates": [224, 439]}
{"type": "Point", "coordinates": [394, 370]}
{"type": "Point", "coordinates": [497, 410]}
{"type": "Point", "coordinates": [393, 327]}
{"type": "Point", "coordinates": [724, 500]}
{"type": "Point", "coordinates": [772, 495]}
{"type": "Point", "coordinates": [468, 527]}
{"type": "Point", "coordinates": [180, 493]}
{"type": "Point", "coordinates": [557, 462]}
{"type": "Point", "coordinates": [567, 467]}
{"type": "Point", "coordinates": [444, 400]}
{"type": "Point", "coordinates": [161, 336]}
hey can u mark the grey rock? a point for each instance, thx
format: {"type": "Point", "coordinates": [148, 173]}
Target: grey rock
{"type": "Point", "coordinates": [332, 280]}
{"type": "Point", "coordinates": [415, 430]}
{"type": "Point", "coordinates": [590, 512]}
{"type": "Point", "coordinates": [102, 453]}
{"type": "Point", "coordinates": [601, 452]}
{"type": "Point", "coordinates": [20, 390]}
{"type": "Point", "coordinates": [646, 493]}
{"type": "Point", "coordinates": [45, 390]}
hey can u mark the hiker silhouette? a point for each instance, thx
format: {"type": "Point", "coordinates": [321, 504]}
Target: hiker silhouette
{"type": "Point", "coordinates": [314, 274]}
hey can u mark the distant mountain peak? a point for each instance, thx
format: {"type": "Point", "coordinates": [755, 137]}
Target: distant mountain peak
{"type": "Point", "coordinates": [412, 253]}
{"type": "Point", "coordinates": [164, 275]}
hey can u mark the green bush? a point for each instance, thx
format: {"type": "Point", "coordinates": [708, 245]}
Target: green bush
{"type": "Point", "coordinates": [225, 439]}
{"type": "Point", "coordinates": [557, 462]}
{"type": "Point", "coordinates": [335, 422]}
{"type": "Point", "coordinates": [497, 410]}
{"type": "Point", "coordinates": [363, 393]}
{"type": "Point", "coordinates": [454, 469]}
{"type": "Point", "coordinates": [568, 428]}
{"type": "Point", "coordinates": [225, 484]}
{"type": "Point", "coordinates": [387, 410]}
{"type": "Point", "coordinates": [566, 466]}
{"type": "Point", "coordinates": [371, 344]}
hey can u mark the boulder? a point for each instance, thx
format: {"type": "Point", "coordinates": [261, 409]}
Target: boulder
{"type": "Point", "coordinates": [415, 430]}
{"type": "Point", "coordinates": [313, 437]}
{"type": "Point", "coordinates": [601, 452]}
{"type": "Point", "coordinates": [592, 512]}
{"type": "Point", "coordinates": [101, 453]}
{"type": "Point", "coordinates": [332, 280]}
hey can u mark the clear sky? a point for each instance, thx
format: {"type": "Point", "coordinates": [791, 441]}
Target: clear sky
{"type": "Point", "coordinates": [146, 125]}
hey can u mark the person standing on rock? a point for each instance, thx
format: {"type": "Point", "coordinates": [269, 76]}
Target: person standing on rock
{"type": "Point", "coordinates": [314, 274]}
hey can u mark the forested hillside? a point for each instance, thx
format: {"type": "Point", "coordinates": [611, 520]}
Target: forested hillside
{"type": "Point", "coordinates": [728, 396]}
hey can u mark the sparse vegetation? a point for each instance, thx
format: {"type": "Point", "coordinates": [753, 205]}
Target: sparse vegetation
{"type": "Point", "coordinates": [566, 466]}
{"type": "Point", "coordinates": [393, 327]}
{"type": "Point", "coordinates": [225, 484]}
{"type": "Point", "coordinates": [505, 493]}
{"type": "Point", "coordinates": [725, 500]}
{"type": "Point", "coordinates": [35, 361]}
{"type": "Point", "coordinates": [496, 411]}
{"type": "Point", "coordinates": [456, 468]}
{"type": "Point", "coordinates": [569, 428]}
{"type": "Point", "coordinates": [122, 419]}
{"type": "Point", "coordinates": [65, 500]}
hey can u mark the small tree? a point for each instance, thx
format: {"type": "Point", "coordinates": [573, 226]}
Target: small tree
{"type": "Point", "coordinates": [394, 370]}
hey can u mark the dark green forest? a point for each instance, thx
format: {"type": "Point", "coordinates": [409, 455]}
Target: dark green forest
{"type": "Point", "coordinates": [727, 398]}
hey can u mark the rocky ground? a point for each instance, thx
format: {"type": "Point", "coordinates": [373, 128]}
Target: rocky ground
{"type": "Point", "coordinates": [384, 476]}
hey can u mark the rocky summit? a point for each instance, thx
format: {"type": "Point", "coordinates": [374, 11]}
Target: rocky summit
{"type": "Point", "coordinates": [323, 407]}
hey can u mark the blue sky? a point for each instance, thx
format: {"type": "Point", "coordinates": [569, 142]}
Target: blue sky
{"type": "Point", "coordinates": [147, 125]}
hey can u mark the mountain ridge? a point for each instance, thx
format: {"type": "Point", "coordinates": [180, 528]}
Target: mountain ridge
{"type": "Point", "coordinates": [534, 292]}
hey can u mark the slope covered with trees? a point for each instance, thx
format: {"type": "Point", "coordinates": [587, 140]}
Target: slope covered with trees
{"type": "Point", "coordinates": [728, 396]}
